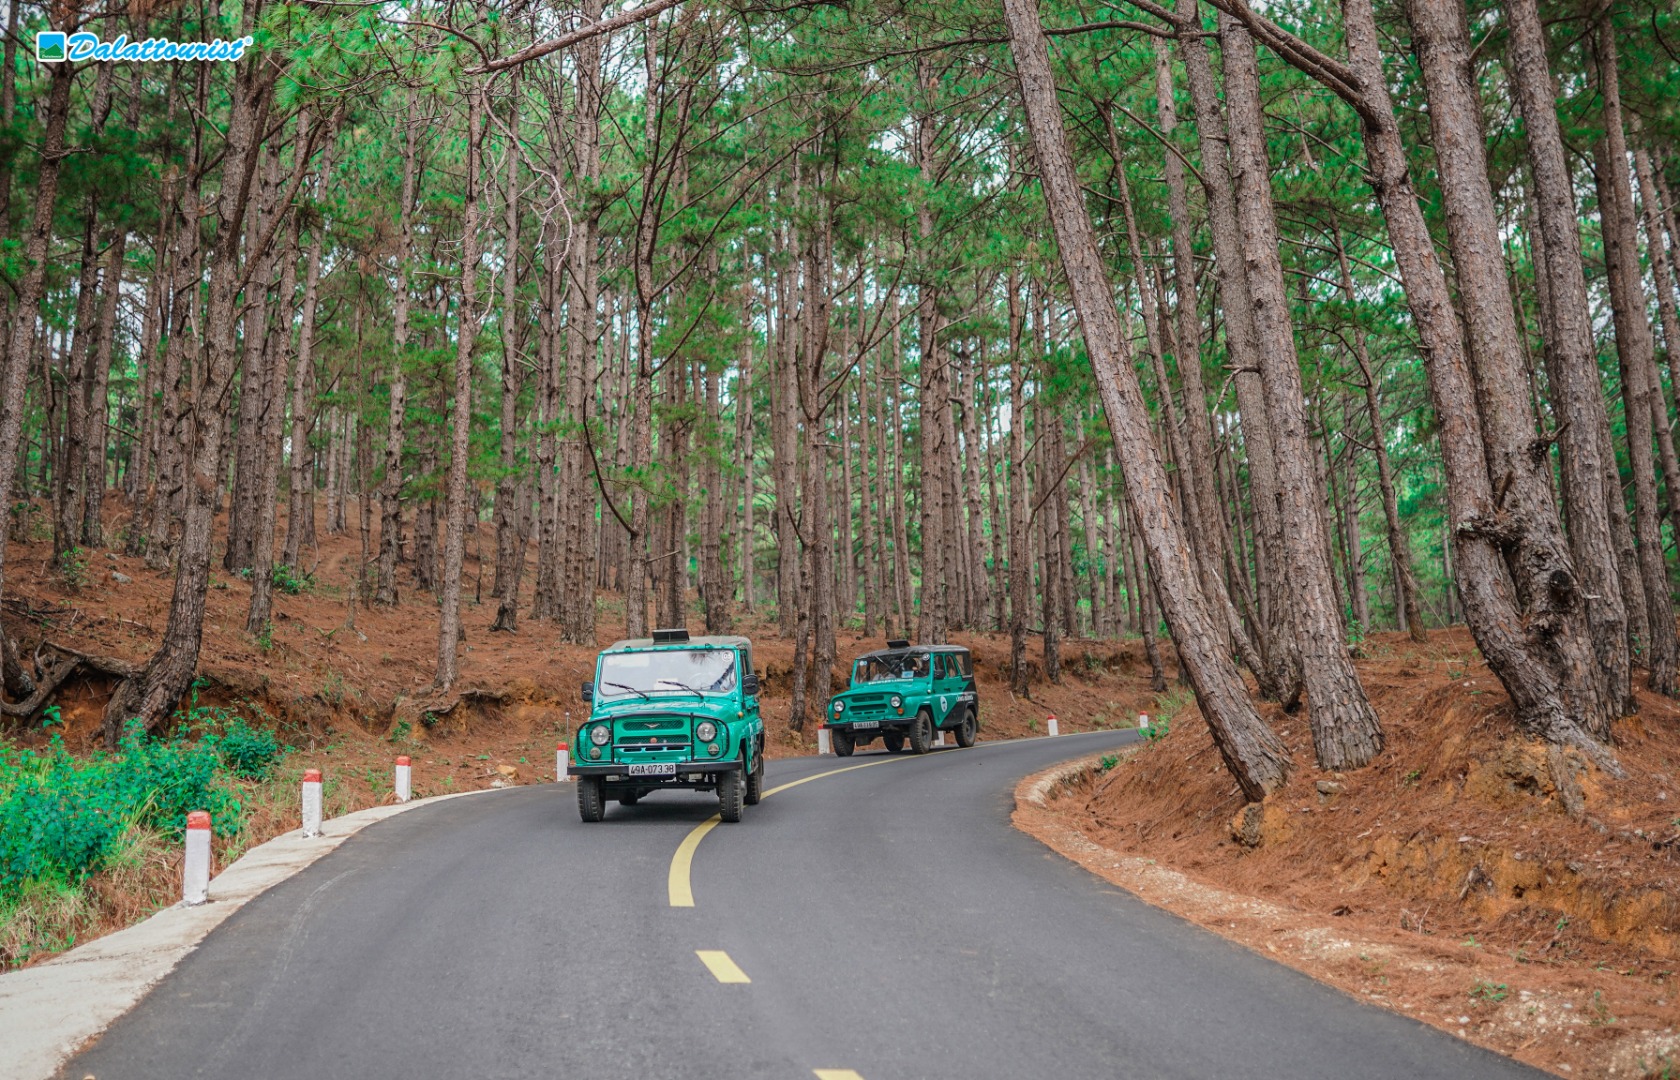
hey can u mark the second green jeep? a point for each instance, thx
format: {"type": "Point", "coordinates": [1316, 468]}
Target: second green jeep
{"type": "Point", "coordinates": [904, 693]}
{"type": "Point", "coordinates": [671, 712]}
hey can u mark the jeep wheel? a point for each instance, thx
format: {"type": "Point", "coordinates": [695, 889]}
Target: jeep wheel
{"type": "Point", "coordinates": [590, 805]}
{"type": "Point", "coordinates": [630, 798]}
{"type": "Point", "coordinates": [921, 733]}
{"type": "Point", "coordinates": [843, 743]}
{"type": "Point", "coordinates": [731, 796]}
{"type": "Point", "coordinates": [755, 783]}
{"type": "Point", "coordinates": [893, 741]}
{"type": "Point", "coordinates": [968, 729]}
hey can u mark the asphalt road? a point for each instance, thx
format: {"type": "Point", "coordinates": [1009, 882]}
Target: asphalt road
{"type": "Point", "coordinates": [892, 924]}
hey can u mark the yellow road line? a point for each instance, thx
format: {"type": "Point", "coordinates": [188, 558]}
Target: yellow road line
{"type": "Point", "coordinates": [677, 881]}
{"type": "Point", "coordinates": [676, 884]}
{"type": "Point", "coordinates": [836, 1074]}
{"type": "Point", "coordinates": [722, 968]}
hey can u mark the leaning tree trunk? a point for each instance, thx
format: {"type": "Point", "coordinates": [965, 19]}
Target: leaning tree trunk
{"type": "Point", "coordinates": [1521, 597]}
{"type": "Point", "coordinates": [1253, 753]}
{"type": "Point", "coordinates": [1279, 673]}
{"type": "Point", "coordinates": [1346, 731]}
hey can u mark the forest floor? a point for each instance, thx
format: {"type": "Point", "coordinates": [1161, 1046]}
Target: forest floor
{"type": "Point", "coordinates": [1451, 880]}
{"type": "Point", "coordinates": [347, 688]}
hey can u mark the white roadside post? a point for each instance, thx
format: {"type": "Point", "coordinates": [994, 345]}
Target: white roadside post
{"type": "Point", "coordinates": [1143, 724]}
{"type": "Point", "coordinates": [1055, 727]}
{"type": "Point", "coordinates": [939, 738]}
{"type": "Point", "coordinates": [312, 802]}
{"type": "Point", "coordinates": [824, 746]}
{"type": "Point", "coordinates": [403, 778]}
{"type": "Point", "coordinates": [195, 875]}
{"type": "Point", "coordinates": [562, 761]}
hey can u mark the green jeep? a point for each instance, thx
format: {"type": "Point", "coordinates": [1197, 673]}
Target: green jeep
{"type": "Point", "coordinates": [904, 693]}
{"type": "Point", "coordinates": [671, 712]}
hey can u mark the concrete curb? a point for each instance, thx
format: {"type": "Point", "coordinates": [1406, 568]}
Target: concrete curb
{"type": "Point", "coordinates": [51, 1010]}
{"type": "Point", "coordinates": [1037, 787]}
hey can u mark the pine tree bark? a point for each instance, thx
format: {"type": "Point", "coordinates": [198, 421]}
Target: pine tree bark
{"type": "Point", "coordinates": [1571, 355]}
{"type": "Point", "coordinates": [460, 411]}
{"type": "Point", "coordinates": [510, 511]}
{"type": "Point", "coordinates": [1345, 728]}
{"type": "Point", "coordinates": [1635, 351]}
{"type": "Point", "coordinates": [1278, 675]}
{"type": "Point", "coordinates": [1253, 753]}
{"type": "Point", "coordinates": [1520, 593]}
{"type": "Point", "coordinates": [390, 488]}
{"type": "Point", "coordinates": [152, 696]}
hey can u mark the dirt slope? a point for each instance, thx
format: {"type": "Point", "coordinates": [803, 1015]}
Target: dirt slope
{"type": "Point", "coordinates": [1452, 879]}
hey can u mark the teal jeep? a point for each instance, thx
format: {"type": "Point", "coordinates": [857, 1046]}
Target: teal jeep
{"type": "Point", "coordinates": [904, 693]}
{"type": "Point", "coordinates": [671, 712]}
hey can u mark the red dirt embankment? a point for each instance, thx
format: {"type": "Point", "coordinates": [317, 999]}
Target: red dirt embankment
{"type": "Point", "coordinates": [1451, 880]}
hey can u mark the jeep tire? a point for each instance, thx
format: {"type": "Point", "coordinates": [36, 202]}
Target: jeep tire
{"type": "Point", "coordinates": [755, 781]}
{"type": "Point", "coordinates": [893, 741]}
{"type": "Point", "coordinates": [731, 795]}
{"type": "Point", "coordinates": [921, 733]}
{"type": "Point", "coordinates": [968, 729]}
{"type": "Point", "coordinates": [591, 806]}
{"type": "Point", "coordinates": [630, 798]}
{"type": "Point", "coordinates": [843, 742]}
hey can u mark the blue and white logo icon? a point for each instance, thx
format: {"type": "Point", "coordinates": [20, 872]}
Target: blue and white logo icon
{"type": "Point", "coordinates": [50, 47]}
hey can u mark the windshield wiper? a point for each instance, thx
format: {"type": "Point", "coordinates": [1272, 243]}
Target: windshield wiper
{"type": "Point", "coordinates": [632, 689]}
{"type": "Point", "coordinates": [685, 686]}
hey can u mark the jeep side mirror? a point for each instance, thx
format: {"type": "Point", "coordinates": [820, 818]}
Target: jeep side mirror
{"type": "Point", "coordinates": [749, 685]}
{"type": "Point", "coordinates": [589, 691]}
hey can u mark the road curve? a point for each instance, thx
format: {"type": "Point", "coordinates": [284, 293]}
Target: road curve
{"type": "Point", "coordinates": [884, 923]}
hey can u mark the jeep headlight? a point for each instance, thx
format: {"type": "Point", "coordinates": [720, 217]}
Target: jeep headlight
{"type": "Point", "coordinates": [839, 707]}
{"type": "Point", "coordinates": [599, 734]}
{"type": "Point", "coordinates": [897, 702]}
{"type": "Point", "coordinates": [706, 731]}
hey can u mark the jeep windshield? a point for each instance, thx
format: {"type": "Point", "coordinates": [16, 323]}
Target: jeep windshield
{"type": "Point", "coordinates": [674, 671]}
{"type": "Point", "coordinates": [891, 668]}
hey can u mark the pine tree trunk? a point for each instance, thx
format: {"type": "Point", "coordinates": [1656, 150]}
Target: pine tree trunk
{"type": "Point", "coordinates": [1524, 608]}
{"type": "Point", "coordinates": [390, 488]}
{"type": "Point", "coordinates": [1345, 728]}
{"type": "Point", "coordinates": [510, 510]}
{"type": "Point", "coordinates": [152, 696]}
{"type": "Point", "coordinates": [1635, 351]}
{"type": "Point", "coordinates": [461, 505]}
{"type": "Point", "coordinates": [1571, 355]}
{"type": "Point", "coordinates": [269, 387]}
{"type": "Point", "coordinates": [1253, 753]}
{"type": "Point", "coordinates": [1278, 675]}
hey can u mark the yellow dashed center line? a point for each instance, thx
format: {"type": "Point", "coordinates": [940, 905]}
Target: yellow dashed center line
{"type": "Point", "coordinates": [722, 968]}
{"type": "Point", "coordinates": [677, 882]}
{"type": "Point", "coordinates": [836, 1074]}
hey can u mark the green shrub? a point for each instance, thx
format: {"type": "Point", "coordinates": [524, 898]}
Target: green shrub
{"type": "Point", "coordinates": [292, 580]}
{"type": "Point", "coordinates": [63, 818]}
{"type": "Point", "coordinates": [247, 752]}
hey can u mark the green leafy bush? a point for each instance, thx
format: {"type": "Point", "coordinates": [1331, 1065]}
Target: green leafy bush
{"type": "Point", "coordinates": [63, 818]}
{"type": "Point", "coordinates": [247, 752]}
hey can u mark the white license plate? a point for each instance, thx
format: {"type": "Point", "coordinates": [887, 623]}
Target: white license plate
{"type": "Point", "coordinates": [653, 768]}
{"type": "Point", "coordinates": [866, 725]}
